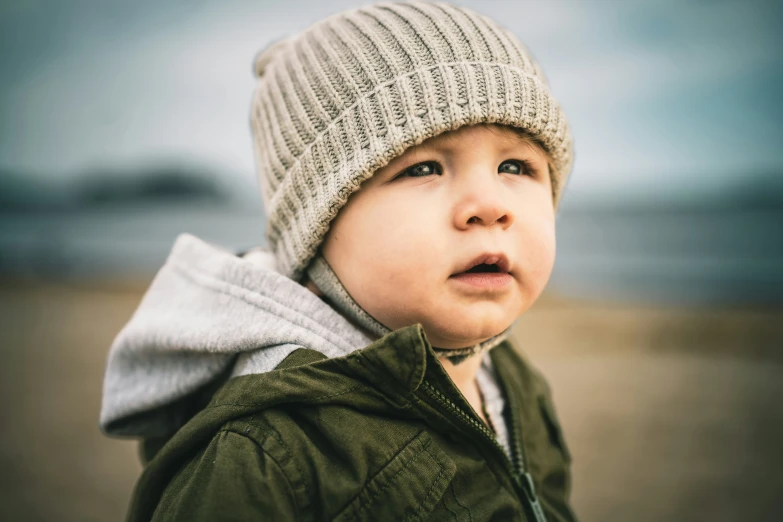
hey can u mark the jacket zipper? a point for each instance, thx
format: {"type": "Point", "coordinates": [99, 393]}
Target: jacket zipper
{"type": "Point", "coordinates": [522, 479]}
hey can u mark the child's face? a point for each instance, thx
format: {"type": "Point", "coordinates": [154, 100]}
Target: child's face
{"type": "Point", "coordinates": [401, 242]}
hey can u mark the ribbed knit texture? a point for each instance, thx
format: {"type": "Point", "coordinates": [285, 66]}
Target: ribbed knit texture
{"type": "Point", "coordinates": [341, 99]}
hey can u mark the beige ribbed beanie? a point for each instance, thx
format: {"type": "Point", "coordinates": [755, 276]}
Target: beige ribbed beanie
{"type": "Point", "coordinates": [339, 100]}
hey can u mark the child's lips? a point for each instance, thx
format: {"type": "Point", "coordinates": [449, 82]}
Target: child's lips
{"type": "Point", "coordinates": [484, 280]}
{"type": "Point", "coordinates": [498, 259]}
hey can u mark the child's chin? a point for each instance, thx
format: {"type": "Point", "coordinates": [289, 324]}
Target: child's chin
{"type": "Point", "coordinates": [466, 334]}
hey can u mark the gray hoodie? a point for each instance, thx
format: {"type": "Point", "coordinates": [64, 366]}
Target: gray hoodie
{"type": "Point", "coordinates": [210, 314]}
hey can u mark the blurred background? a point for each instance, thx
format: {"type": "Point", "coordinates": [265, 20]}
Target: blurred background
{"type": "Point", "coordinates": [123, 124]}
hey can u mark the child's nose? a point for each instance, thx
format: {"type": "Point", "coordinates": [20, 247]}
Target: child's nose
{"type": "Point", "coordinates": [483, 207]}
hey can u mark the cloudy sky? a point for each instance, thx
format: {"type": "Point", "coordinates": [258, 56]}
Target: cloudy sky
{"type": "Point", "coordinates": [665, 98]}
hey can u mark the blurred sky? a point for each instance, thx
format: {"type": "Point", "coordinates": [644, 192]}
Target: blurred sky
{"type": "Point", "coordinates": [671, 99]}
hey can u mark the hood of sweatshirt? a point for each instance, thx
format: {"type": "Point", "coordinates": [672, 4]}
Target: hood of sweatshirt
{"type": "Point", "coordinates": [209, 315]}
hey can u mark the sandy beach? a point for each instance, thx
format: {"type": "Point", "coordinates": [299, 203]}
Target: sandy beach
{"type": "Point", "coordinates": [670, 413]}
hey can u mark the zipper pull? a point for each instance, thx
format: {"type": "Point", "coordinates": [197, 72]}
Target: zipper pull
{"type": "Point", "coordinates": [526, 483]}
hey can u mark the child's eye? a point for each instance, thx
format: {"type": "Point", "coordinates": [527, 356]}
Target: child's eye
{"type": "Point", "coordinates": [420, 170]}
{"type": "Point", "coordinates": [516, 167]}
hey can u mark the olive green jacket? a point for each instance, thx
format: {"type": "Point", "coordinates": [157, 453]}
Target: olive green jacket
{"type": "Point", "coordinates": [380, 434]}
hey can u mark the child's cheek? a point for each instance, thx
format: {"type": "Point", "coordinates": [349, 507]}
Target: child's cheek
{"type": "Point", "coordinates": [539, 255]}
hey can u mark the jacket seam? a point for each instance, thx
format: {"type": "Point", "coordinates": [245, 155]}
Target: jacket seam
{"type": "Point", "coordinates": [287, 450]}
{"type": "Point", "coordinates": [392, 480]}
{"type": "Point", "coordinates": [308, 400]}
{"type": "Point", "coordinates": [421, 403]}
{"type": "Point", "coordinates": [432, 486]}
{"type": "Point", "coordinates": [271, 431]}
{"type": "Point", "coordinates": [273, 459]}
{"type": "Point", "coordinates": [460, 504]}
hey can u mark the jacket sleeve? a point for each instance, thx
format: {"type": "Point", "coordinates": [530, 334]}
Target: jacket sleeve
{"type": "Point", "coordinates": [232, 479]}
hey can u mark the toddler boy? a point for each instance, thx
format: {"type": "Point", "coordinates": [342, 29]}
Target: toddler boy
{"type": "Point", "coordinates": [411, 159]}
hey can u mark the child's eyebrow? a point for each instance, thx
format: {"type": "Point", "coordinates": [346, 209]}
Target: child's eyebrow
{"type": "Point", "coordinates": [527, 138]}
{"type": "Point", "coordinates": [451, 142]}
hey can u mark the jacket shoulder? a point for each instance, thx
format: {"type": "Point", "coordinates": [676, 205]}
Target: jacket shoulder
{"type": "Point", "coordinates": [233, 477]}
{"type": "Point", "coordinates": [342, 460]}
{"type": "Point", "coordinates": [318, 451]}
{"type": "Point", "coordinates": [288, 466]}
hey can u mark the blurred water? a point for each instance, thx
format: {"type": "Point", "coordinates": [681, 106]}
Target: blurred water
{"type": "Point", "coordinates": [127, 240]}
{"type": "Point", "coordinates": [658, 255]}
{"type": "Point", "coordinates": [730, 255]}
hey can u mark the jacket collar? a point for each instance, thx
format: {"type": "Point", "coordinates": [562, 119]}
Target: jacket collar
{"type": "Point", "coordinates": [400, 359]}
{"type": "Point", "coordinates": [390, 369]}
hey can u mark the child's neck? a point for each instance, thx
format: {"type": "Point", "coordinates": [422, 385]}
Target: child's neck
{"type": "Point", "coordinates": [464, 377]}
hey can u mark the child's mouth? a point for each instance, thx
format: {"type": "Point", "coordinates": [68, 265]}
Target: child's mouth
{"type": "Point", "coordinates": [485, 263]}
{"type": "Point", "coordinates": [483, 267]}
{"type": "Point", "coordinates": [486, 272]}
{"type": "Point", "coordinates": [484, 280]}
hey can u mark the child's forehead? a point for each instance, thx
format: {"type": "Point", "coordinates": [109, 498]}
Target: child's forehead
{"type": "Point", "coordinates": [502, 135]}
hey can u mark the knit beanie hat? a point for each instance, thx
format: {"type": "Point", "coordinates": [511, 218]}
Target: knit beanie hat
{"type": "Point", "coordinates": [341, 99]}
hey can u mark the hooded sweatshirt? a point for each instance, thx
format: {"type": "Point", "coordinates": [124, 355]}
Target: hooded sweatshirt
{"type": "Point", "coordinates": [210, 315]}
